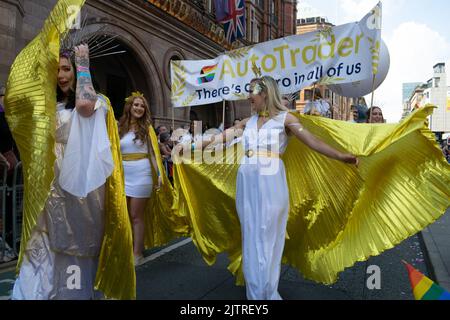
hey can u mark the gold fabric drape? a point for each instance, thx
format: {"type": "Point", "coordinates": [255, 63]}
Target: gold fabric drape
{"type": "Point", "coordinates": [30, 102]}
{"type": "Point", "coordinates": [116, 276]}
{"type": "Point", "coordinates": [31, 111]}
{"type": "Point", "coordinates": [163, 222]}
{"type": "Point", "coordinates": [339, 214]}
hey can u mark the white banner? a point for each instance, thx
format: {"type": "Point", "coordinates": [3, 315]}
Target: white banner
{"type": "Point", "coordinates": [334, 55]}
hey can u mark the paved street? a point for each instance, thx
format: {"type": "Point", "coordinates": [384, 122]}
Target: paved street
{"type": "Point", "coordinates": [182, 274]}
{"type": "Point", "coordinates": [177, 272]}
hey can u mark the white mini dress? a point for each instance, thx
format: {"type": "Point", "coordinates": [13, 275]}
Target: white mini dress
{"type": "Point", "coordinates": [138, 174]}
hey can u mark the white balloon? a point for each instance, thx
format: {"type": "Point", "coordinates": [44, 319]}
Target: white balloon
{"type": "Point", "coordinates": [364, 87]}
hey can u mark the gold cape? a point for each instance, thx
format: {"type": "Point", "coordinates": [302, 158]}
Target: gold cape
{"type": "Point", "coordinates": [163, 222]}
{"type": "Point", "coordinates": [339, 214]}
{"type": "Point", "coordinates": [31, 112]}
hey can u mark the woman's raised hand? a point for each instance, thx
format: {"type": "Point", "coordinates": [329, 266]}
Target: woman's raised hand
{"type": "Point", "coordinates": [82, 55]}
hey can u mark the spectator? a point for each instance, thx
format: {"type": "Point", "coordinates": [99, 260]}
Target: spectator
{"type": "Point", "coordinates": [375, 115]}
{"type": "Point", "coordinates": [8, 158]}
{"type": "Point", "coordinates": [318, 106]}
{"type": "Point", "coordinates": [165, 148]}
{"type": "Point", "coordinates": [165, 145]}
{"type": "Point", "coordinates": [161, 129]}
{"type": "Point", "coordinates": [180, 135]}
{"type": "Point", "coordinates": [446, 149]}
{"type": "Point", "coordinates": [6, 141]}
{"type": "Point", "coordinates": [359, 113]}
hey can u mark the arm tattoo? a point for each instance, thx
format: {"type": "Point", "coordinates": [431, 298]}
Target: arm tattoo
{"type": "Point", "coordinates": [85, 90]}
{"type": "Point", "coordinates": [84, 81]}
{"type": "Point", "coordinates": [82, 61]}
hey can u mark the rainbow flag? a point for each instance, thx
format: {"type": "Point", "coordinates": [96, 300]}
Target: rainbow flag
{"type": "Point", "coordinates": [424, 288]}
{"type": "Point", "coordinates": [208, 74]}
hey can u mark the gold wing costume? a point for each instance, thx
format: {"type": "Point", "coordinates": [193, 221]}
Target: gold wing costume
{"type": "Point", "coordinates": [339, 214]}
{"type": "Point", "coordinates": [31, 109]}
{"type": "Point", "coordinates": [163, 223]}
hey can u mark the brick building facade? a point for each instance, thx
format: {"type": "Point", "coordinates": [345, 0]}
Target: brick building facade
{"type": "Point", "coordinates": [152, 32]}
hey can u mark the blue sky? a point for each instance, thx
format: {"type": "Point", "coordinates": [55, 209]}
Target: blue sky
{"type": "Point", "coordinates": [417, 34]}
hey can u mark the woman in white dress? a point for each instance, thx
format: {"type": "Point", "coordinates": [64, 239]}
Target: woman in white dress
{"type": "Point", "coordinates": [262, 195]}
{"type": "Point", "coordinates": [137, 156]}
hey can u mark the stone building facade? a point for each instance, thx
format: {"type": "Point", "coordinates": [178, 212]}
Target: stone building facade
{"type": "Point", "coordinates": [152, 32]}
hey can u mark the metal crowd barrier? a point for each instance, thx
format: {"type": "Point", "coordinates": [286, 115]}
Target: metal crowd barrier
{"type": "Point", "coordinates": [17, 197]}
{"type": "Point", "coordinates": [16, 192]}
{"type": "Point", "coordinates": [3, 192]}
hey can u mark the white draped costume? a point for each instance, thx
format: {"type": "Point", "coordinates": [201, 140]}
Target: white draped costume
{"type": "Point", "coordinates": [262, 203]}
{"type": "Point", "coordinates": [61, 258]}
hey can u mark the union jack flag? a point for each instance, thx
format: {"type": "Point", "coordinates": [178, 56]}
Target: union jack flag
{"type": "Point", "coordinates": [232, 14]}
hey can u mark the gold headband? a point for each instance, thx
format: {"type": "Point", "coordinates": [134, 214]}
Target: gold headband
{"type": "Point", "coordinates": [135, 94]}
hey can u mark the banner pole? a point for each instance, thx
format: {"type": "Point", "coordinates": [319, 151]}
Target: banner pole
{"type": "Point", "coordinates": [313, 91]}
{"type": "Point", "coordinates": [373, 91]}
{"type": "Point", "coordinates": [173, 118]}
{"type": "Point", "coordinates": [223, 114]}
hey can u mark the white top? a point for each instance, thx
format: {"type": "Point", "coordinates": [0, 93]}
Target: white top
{"type": "Point", "coordinates": [127, 145]}
{"type": "Point", "coordinates": [138, 174]}
{"type": "Point", "coordinates": [270, 137]}
{"type": "Point", "coordinates": [87, 159]}
{"type": "Point", "coordinates": [322, 106]}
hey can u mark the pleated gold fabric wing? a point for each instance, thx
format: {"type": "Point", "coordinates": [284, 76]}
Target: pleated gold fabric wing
{"type": "Point", "coordinates": [206, 195]}
{"type": "Point", "coordinates": [162, 222]}
{"type": "Point", "coordinates": [116, 276]}
{"type": "Point", "coordinates": [339, 214]}
{"type": "Point", "coordinates": [31, 107]}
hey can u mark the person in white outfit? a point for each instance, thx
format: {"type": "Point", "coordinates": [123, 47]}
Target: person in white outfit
{"type": "Point", "coordinates": [318, 106]}
{"type": "Point", "coordinates": [262, 195]}
{"type": "Point", "coordinates": [137, 155]}
{"type": "Point", "coordinates": [70, 230]}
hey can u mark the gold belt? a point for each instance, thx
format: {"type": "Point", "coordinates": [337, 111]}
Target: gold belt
{"type": "Point", "coordinates": [134, 156]}
{"type": "Point", "coordinates": [267, 154]}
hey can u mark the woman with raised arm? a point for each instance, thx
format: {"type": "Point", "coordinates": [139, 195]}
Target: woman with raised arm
{"type": "Point", "coordinates": [307, 201]}
{"type": "Point", "coordinates": [262, 195]}
{"type": "Point", "coordinates": [76, 237]}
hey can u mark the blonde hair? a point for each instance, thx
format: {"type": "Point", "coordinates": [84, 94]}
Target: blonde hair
{"type": "Point", "coordinates": [273, 96]}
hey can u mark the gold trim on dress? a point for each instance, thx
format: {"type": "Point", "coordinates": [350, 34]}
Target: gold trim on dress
{"type": "Point", "coordinates": [262, 153]}
{"type": "Point", "coordinates": [134, 156]}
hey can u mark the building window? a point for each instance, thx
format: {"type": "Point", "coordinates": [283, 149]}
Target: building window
{"type": "Point", "coordinates": [252, 26]}
{"type": "Point", "coordinates": [327, 94]}
{"type": "Point", "coordinates": [209, 6]}
{"type": "Point", "coordinates": [258, 33]}
{"type": "Point", "coordinates": [274, 12]}
{"type": "Point", "coordinates": [260, 4]}
{"type": "Point", "coordinates": [437, 82]}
